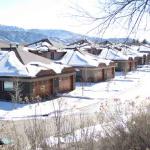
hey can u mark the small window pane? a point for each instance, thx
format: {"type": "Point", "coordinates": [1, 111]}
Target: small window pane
{"type": "Point", "coordinates": [8, 86]}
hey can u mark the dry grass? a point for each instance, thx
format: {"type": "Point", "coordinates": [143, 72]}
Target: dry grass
{"type": "Point", "coordinates": [32, 134]}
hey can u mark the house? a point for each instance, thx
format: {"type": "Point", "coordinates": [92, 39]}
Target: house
{"type": "Point", "coordinates": [123, 62]}
{"type": "Point", "coordinates": [64, 56]}
{"type": "Point", "coordinates": [79, 43]}
{"type": "Point", "coordinates": [88, 68]}
{"type": "Point", "coordinates": [143, 49]}
{"type": "Point", "coordinates": [46, 48]}
{"type": "Point", "coordinates": [141, 58]}
{"type": "Point", "coordinates": [127, 64]}
{"type": "Point", "coordinates": [85, 45]}
{"type": "Point", "coordinates": [30, 77]}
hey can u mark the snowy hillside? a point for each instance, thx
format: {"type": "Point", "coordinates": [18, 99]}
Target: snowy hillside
{"type": "Point", "coordinates": [20, 35]}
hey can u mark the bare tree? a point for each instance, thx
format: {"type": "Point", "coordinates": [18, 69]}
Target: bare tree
{"type": "Point", "coordinates": [17, 90]}
{"type": "Point", "coordinates": [130, 14]}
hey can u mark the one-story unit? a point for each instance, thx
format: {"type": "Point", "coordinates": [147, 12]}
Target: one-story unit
{"type": "Point", "coordinates": [123, 62]}
{"type": "Point", "coordinates": [141, 58]}
{"type": "Point", "coordinates": [89, 68]}
{"type": "Point", "coordinates": [46, 48]}
{"type": "Point", "coordinates": [144, 49]}
{"type": "Point", "coordinates": [29, 77]}
{"type": "Point", "coordinates": [85, 45]}
{"type": "Point", "coordinates": [109, 52]}
{"type": "Point", "coordinates": [79, 43]}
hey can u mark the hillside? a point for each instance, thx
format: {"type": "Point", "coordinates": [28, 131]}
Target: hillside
{"type": "Point", "coordinates": [20, 35]}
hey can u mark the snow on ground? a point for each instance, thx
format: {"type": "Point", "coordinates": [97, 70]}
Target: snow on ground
{"type": "Point", "coordinates": [83, 134]}
{"type": "Point", "coordinates": [123, 93]}
{"type": "Point", "coordinates": [93, 132]}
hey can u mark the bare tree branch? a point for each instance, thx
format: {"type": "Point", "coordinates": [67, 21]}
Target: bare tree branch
{"type": "Point", "coordinates": [131, 11]}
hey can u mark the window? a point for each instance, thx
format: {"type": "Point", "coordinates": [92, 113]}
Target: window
{"type": "Point", "coordinates": [116, 65]}
{"type": "Point", "coordinates": [8, 86]}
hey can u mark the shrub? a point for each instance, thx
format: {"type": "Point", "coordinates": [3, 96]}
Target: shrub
{"type": "Point", "coordinates": [133, 135]}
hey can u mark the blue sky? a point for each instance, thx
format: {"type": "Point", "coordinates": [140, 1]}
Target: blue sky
{"type": "Point", "coordinates": [54, 14]}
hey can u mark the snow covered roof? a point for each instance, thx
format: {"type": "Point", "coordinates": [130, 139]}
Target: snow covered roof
{"type": "Point", "coordinates": [40, 46]}
{"type": "Point", "coordinates": [140, 49]}
{"type": "Point", "coordinates": [44, 45]}
{"type": "Point", "coordinates": [135, 47]}
{"type": "Point", "coordinates": [144, 48]}
{"type": "Point", "coordinates": [26, 66]}
{"type": "Point", "coordinates": [27, 57]}
{"type": "Point", "coordinates": [94, 57]}
{"type": "Point", "coordinates": [127, 50]}
{"type": "Point", "coordinates": [83, 43]}
{"type": "Point", "coordinates": [112, 54]}
{"type": "Point", "coordinates": [10, 65]}
{"type": "Point", "coordinates": [79, 42]}
{"type": "Point", "coordinates": [77, 58]}
{"type": "Point", "coordinates": [57, 68]}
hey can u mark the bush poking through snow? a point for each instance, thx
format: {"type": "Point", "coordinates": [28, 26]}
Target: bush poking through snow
{"type": "Point", "coordinates": [135, 135]}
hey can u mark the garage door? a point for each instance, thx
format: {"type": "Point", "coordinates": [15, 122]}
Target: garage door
{"type": "Point", "coordinates": [66, 84]}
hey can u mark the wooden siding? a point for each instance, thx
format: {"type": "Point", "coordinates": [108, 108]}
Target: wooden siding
{"type": "Point", "coordinates": [52, 54]}
{"type": "Point", "coordinates": [66, 84]}
{"type": "Point", "coordinates": [96, 74]}
{"type": "Point", "coordinates": [110, 73]}
{"type": "Point", "coordinates": [40, 88]}
{"type": "Point", "coordinates": [101, 75]}
{"type": "Point", "coordinates": [43, 88]}
{"type": "Point", "coordinates": [94, 51]}
{"type": "Point", "coordinates": [132, 65]}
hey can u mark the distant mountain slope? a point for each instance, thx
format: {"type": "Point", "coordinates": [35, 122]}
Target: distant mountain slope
{"type": "Point", "coordinates": [57, 33]}
{"type": "Point", "coordinates": [10, 28]}
{"type": "Point", "coordinates": [20, 35]}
